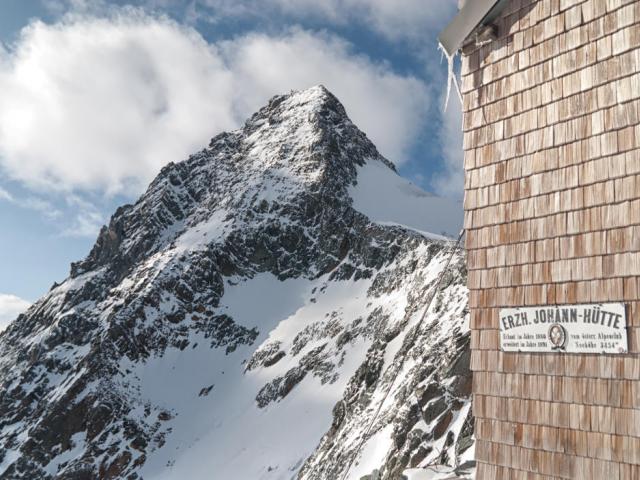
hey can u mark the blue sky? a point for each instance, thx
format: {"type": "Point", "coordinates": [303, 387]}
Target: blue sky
{"type": "Point", "coordinates": [96, 96]}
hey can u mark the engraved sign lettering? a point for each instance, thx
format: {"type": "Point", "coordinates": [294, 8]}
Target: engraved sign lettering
{"type": "Point", "coordinates": [591, 328]}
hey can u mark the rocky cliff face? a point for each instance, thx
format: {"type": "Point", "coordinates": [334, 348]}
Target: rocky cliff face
{"type": "Point", "coordinates": [243, 320]}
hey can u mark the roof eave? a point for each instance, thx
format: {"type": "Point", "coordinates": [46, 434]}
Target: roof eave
{"type": "Point", "coordinates": [473, 14]}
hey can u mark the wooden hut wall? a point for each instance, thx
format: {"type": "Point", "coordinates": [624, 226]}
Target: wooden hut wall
{"type": "Point", "coordinates": [552, 212]}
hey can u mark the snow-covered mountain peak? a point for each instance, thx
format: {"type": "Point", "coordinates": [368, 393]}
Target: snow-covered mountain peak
{"type": "Point", "coordinates": [299, 150]}
{"type": "Point", "coordinates": [243, 317]}
{"type": "Point", "coordinates": [310, 132]}
{"type": "Point", "coordinates": [310, 105]}
{"type": "Point", "coordinates": [316, 99]}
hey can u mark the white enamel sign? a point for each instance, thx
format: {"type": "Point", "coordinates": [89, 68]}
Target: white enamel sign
{"type": "Point", "coordinates": [592, 328]}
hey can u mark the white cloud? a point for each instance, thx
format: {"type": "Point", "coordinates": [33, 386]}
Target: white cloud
{"type": "Point", "coordinates": [84, 224]}
{"type": "Point", "coordinates": [94, 102]}
{"type": "Point", "coordinates": [10, 307]}
{"type": "Point", "coordinates": [450, 181]}
{"type": "Point", "coordinates": [45, 207]}
{"type": "Point", "coordinates": [81, 218]}
{"type": "Point", "coordinates": [412, 19]}
{"type": "Point", "coordinates": [87, 219]}
{"type": "Point", "coordinates": [397, 19]}
{"type": "Point", "coordinates": [102, 103]}
{"type": "Point", "coordinates": [4, 195]}
{"type": "Point", "coordinates": [388, 107]}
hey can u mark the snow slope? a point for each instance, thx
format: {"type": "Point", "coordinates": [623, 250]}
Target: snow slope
{"type": "Point", "coordinates": [244, 319]}
{"type": "Point", "coordinates": [389, 199]}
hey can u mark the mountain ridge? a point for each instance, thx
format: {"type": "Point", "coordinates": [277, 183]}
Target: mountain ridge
{"type": "Point", "coordinates": [247, 258]}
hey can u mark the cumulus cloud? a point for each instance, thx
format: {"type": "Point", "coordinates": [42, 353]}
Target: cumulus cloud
{"type": "Point", "coordinates": [397, 19]}
{"type": "Point", "coordinates": [97, 102]}
{"type": "Point", "coordinates": [390, 108]}
{"type": "Point", "coordinates": [102, 103]}
{"type": "Point", "coordinates": [404, 18]}
{"type": "Point", "coordinates": [10, 307]}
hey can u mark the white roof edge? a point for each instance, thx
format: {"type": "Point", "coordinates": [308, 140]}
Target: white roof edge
{"type": "Point", "coordinates": [472, 14]}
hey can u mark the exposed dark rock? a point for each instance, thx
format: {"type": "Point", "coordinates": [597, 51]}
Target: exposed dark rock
{"type": "Point", "coordinates": [272, 197]}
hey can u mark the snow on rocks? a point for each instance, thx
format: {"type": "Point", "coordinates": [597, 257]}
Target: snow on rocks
{"type": "Point", "coordinates": [244, 316]}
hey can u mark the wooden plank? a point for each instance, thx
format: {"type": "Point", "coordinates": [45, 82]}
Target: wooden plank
{"type": "Point", "coordinates": [552, 187]}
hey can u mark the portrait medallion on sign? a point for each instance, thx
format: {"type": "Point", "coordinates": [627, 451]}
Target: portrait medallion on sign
{"type": "Point", "coordinates": [557, 336]}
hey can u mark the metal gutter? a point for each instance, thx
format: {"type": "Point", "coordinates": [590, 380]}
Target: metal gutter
{"type": "Point", "coordinates": [472, 14]}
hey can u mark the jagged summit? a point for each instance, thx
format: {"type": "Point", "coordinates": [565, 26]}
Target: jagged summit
{"type": "Point", "coordinates": [243, 292]}
{"type": "Point", "coordinates": [316, 100]}
{"type": "Point", "coordinates": [300, 145]}
{"type": "Point", "coordinates": [312, 119]}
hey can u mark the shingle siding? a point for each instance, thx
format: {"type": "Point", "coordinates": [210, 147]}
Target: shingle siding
{"type": "Point", "coordinates": [552, 212]}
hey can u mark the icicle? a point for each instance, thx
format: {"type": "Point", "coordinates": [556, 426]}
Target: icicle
{"type": "Point", "coordinates": [451, 76]}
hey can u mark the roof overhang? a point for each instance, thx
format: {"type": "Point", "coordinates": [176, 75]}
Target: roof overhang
{"type": "Point", "coordinates": [473, 14]}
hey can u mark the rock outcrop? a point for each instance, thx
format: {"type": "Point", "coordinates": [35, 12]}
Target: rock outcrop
{"type": "Point", "coordinates": [243, 318]}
